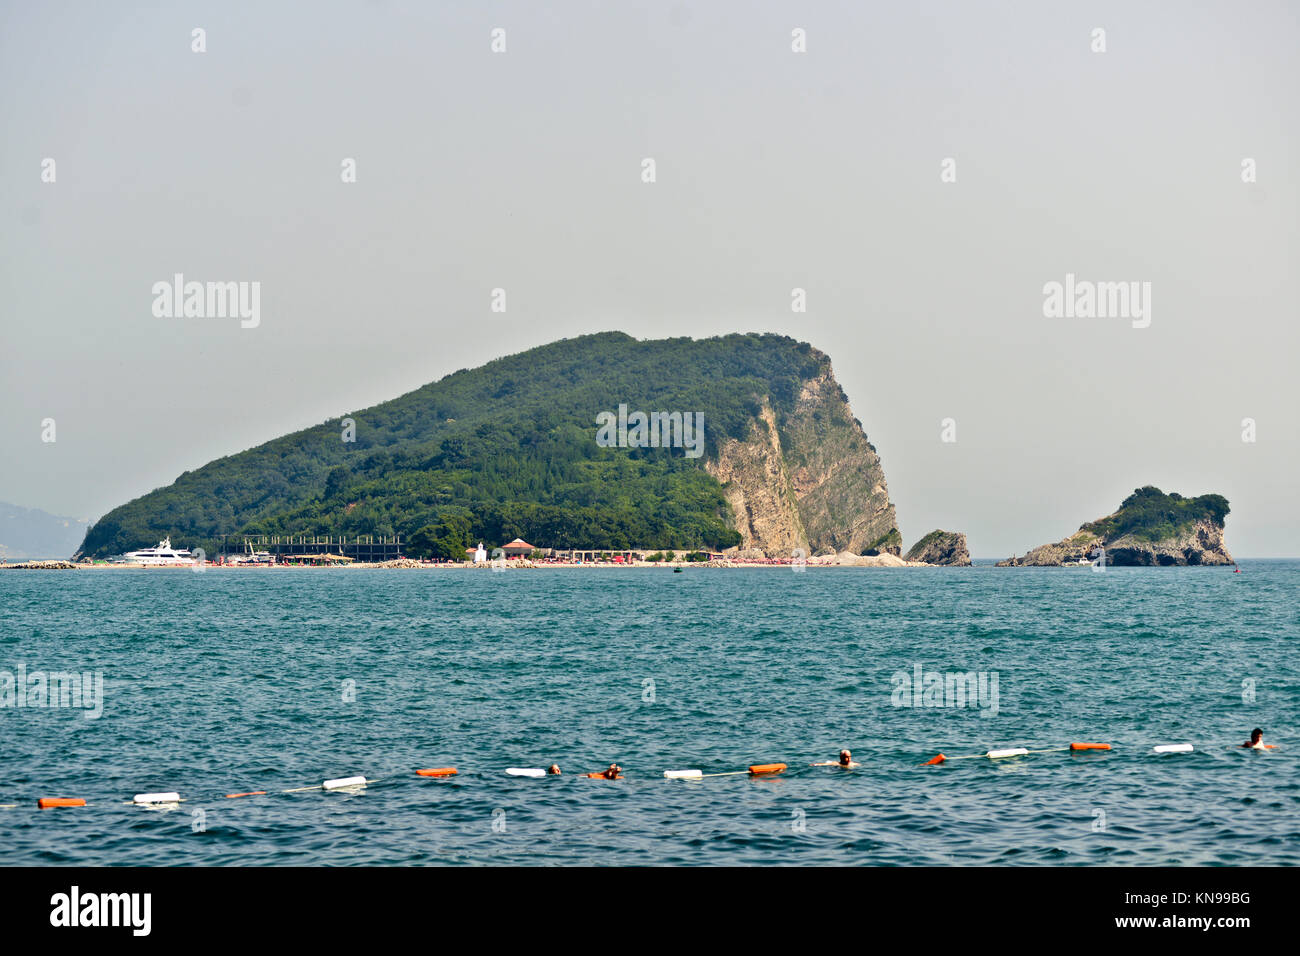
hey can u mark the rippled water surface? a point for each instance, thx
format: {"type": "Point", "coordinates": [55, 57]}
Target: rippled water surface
{"type": "Point", "coordinates": [233, 680]}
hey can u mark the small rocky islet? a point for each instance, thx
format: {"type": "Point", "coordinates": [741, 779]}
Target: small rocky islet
{"type": "Point", "coordinates": [1150, 529]}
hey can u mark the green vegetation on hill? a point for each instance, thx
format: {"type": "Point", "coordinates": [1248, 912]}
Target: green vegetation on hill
{"type": "Point", "coordinates": [1151, 515]}
{"type": "Point", "coordinates": [504, 450]}
{"type": "Point", "coordinates": [926, 541]}
{"type": "Point", "coordinates": [891, 540]}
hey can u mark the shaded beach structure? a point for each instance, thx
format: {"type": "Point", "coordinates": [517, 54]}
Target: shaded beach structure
{"type": "Point", "coordinates": [519, 548]}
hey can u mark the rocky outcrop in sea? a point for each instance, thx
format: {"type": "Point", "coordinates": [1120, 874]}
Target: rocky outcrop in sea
{"type": "Point", "coordinates": [941, 547]}
{"type": "Point", "coordinates": [1149, 529]}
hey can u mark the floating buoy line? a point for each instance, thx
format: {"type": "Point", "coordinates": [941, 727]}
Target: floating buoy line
{"type": "Point", "coordinates": [357, 782]}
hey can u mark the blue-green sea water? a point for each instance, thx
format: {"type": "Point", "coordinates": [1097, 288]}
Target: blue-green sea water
{"type": "Point", "coordinates": [237, 680]}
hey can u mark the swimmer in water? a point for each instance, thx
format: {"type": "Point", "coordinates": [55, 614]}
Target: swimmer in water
{"type": "Point", "coordinates": [846, 760]}
{"type": "Point", "coordinates": [613, 772]}
{"type": "Point", "coordinates": [1256, 741]}
{"type": "Point", "coordinates": [553, 769]}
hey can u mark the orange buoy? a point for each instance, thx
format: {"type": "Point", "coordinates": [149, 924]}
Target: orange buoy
{"type": "Point", "coordinates": [1089, 746]}
{"type": "Point", "coordinates": [438, 772]}
{"type": "Point", "coordinates": [766, 768]}
{"type": "Point", "coordinates": [44, 802]}
{"type": "Point", "coordinates": [939, 759]}
{"type": "Point", "coordinates": [251, 793]}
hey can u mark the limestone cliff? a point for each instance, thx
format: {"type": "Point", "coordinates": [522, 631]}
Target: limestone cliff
{"type": "Point", "coordinates": [808, 478]}
{"type": "Point", "coordinates": [941, 547]}
{"type": "Point", "coordinates": [755, 482]}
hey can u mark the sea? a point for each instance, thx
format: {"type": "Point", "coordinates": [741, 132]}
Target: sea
{"type": "Point", "coordinates": [275, 679]}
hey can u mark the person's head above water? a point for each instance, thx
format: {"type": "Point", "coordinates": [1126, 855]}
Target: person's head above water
{"type": "Point", "coordinates": [553, 769]}
{"type": "Point", "coordinates": [846, 757]}
{"type": "Point", "coordinates": [1256, 735]}
{"type": "Point", "coordinates": [613, 771]}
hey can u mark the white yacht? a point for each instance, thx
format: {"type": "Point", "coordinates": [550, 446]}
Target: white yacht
{"type": "Point", "coordinates": [163, 553]}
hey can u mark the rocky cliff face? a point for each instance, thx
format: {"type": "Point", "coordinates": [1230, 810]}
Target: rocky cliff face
{"type": "Point", "coordinates": [1199, 543]}
{"type": "Point", "coordinates": [941, 547]}
{"type": "Point", "coordinates": [757, 486]}
{"type": "Point", "coordinates": [808, 478]}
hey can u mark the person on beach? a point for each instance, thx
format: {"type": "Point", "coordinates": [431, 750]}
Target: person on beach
{"type": "Point", "coordinates": [553, 769]}
{"type": "Point", "coordinates": [1256, 741]}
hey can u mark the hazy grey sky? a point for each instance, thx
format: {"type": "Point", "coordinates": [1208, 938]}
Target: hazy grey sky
{"type": "Point", "coordinates": [775, 170]}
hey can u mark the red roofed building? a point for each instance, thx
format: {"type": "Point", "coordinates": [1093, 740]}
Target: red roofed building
{"type": "Point", "coordinates": [518, 548]}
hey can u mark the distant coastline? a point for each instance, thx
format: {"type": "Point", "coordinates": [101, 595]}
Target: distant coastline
{"type": "Point", "coordinates": [410, 564]}
{"type": "Point", "coordinates": [519, 564]}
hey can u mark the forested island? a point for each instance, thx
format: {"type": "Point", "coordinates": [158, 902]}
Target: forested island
{"type": "Point", "coordinates": [511, 449]}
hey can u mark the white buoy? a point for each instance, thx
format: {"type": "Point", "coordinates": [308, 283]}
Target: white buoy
{"type": "Point", "coordinates": [156, 798]}
{"type": "Point", "coordinates": [1009, 752]}
{"type": "Point", "coordinates": [1173, 748]}
{"type": "Point", "coordinates": [526, 771]}
{"type": "Point", "coordinates": [342, 782]}
{"type": "Point", "coordinates": [683, 774]}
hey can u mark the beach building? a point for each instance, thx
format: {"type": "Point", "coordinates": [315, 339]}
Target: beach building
{"type": "Point", "coordinates": [519, 548]}
{"type": "Point", "coordinates": [299, 547]}
{"type": "Point", "coordinates": [594, 556]}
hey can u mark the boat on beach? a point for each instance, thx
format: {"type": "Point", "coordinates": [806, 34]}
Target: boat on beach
{"type": "Point", "coordinates": [161, 554]}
